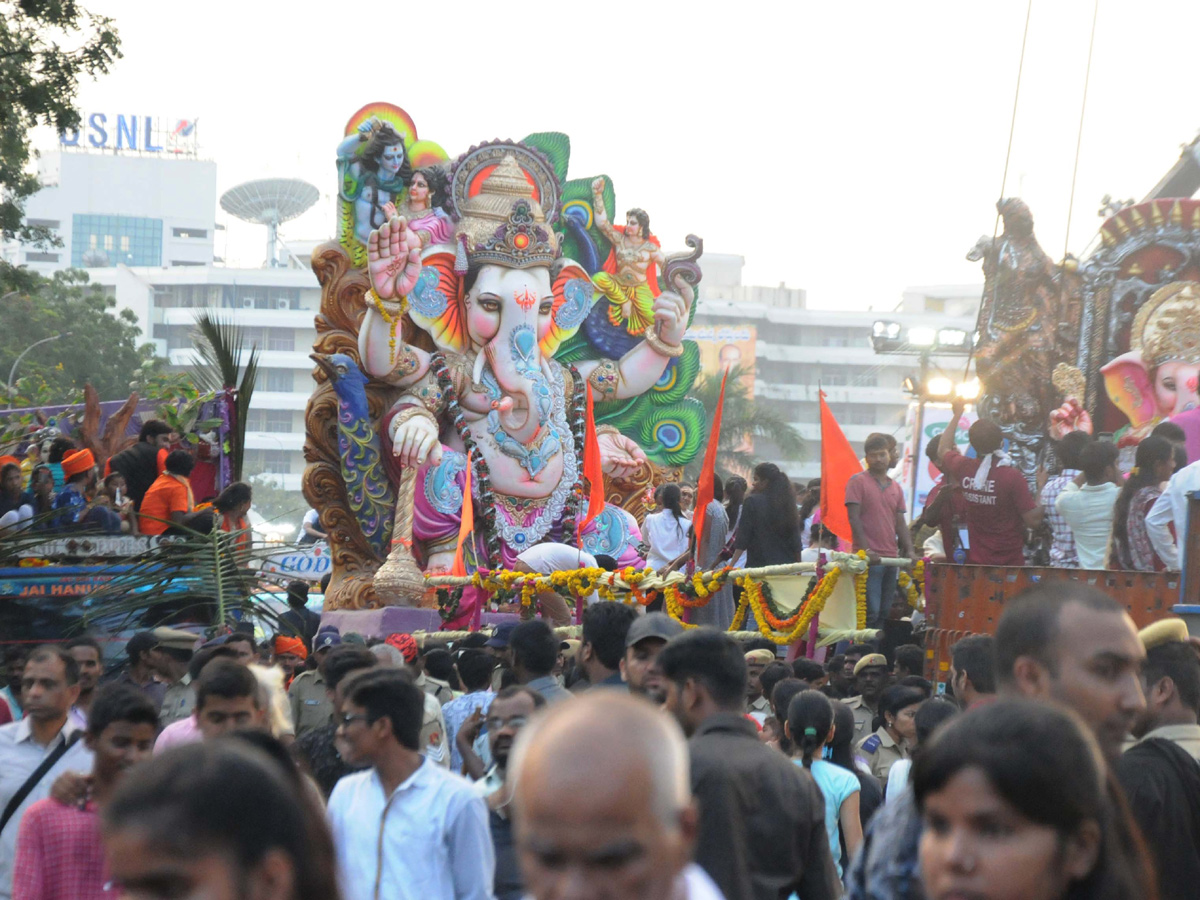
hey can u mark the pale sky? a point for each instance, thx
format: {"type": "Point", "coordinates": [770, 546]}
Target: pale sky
{"type": "Point", "coordinates": [851, 149]}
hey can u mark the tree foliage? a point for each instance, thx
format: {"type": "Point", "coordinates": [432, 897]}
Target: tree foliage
{"type": "Point", "coordinates": [99, 345]}
{"type": "Point", "coordinates": [46, 48]}
{"type": "Point", "coordinates": [275, 503]}
{"type": "Point", "coordinates": [742, 420]}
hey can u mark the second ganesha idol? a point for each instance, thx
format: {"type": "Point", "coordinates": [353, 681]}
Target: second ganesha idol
{"type": "Point", "coordinates": [487, 334]}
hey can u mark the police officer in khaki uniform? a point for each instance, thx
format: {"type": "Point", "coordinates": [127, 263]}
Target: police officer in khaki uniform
{"type": "Point", "coordinates": [440, 690]}
{"type": "Point", "coordinates": [1167, 714]}
{"type": "Point", "coordinates": [433, 733]}
{"type": "Point", "coordinates": [310, 701]}
{"type": "Point", "coordinates": [170, 656]}
{"type": "Point", "coordinates": [897, 734]}
{"type": "Point", "coordinates": [756, 703]}
{"type": "Point", "coordinates": [871, 678]}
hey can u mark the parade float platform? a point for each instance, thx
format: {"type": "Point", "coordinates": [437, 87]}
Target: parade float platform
{"type": "Point", "coordinates": [379, 623]}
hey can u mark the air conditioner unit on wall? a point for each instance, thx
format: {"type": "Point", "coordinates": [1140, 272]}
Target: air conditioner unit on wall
{"type": "Point", "coordinates": [283, 303]}
{"type": "Point", "coordinates": [247, 303]}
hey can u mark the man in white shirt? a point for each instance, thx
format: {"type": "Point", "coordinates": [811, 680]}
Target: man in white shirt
{"type": "Point", "coordinates": [543, 559]}
{"type": "Point", "coordinates": [638, 822]}
{"type": "Point", "coordinates": [1172, 508]}
{"type": "Point", "coordinates": [50, 687]}
{"type": "Point", "coordinates": [1086, 503]}
{"type": "Point", "coordinates": [406, 828]}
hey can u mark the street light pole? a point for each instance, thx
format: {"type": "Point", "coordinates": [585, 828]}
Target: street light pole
{"type": "Point", "coordinates": [13, 371]}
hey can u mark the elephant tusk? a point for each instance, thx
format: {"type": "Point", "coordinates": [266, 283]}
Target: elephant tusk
{"type": "Point", "coordinates": [477, 372]}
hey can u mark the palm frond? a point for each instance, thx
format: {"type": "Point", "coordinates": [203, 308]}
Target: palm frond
{"type": "Point", "coordinates": [245, 392]}
{"type": "Point", "coordinates": [203, 578]}
{"type": "Point", "coordinates": [742, 419]}
{"type": "Point", "coordinates": [220, 347]}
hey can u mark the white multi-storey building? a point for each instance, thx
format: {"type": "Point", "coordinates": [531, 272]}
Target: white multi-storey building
{"type": "Point", "coordinates": [274, 307]}
{"type": "Point", "coordinates": [113, 208]}
{"type": "Point", "coordinates": [142, 223]}
{"type": "Point", "coordinates": [801, 351]}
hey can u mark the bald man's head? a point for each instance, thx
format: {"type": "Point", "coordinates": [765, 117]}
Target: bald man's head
{"type": "Point", "coordinates": [638, 820]}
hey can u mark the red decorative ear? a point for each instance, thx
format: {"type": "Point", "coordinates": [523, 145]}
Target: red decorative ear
{"type": "Point", "coordinates": [1130, 388]}
{"type": "Point", "coordinates": [448, 330]}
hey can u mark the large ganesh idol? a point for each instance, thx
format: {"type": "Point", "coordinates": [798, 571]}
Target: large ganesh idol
{"type": "Point", "coordinates": [470, 347]}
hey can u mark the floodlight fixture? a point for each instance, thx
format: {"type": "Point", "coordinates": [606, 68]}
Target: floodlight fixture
{"type": "Point", "coordinates": [922, 336]}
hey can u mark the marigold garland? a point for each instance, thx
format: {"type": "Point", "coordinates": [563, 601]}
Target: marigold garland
{"type": "Point", "coordinates": [860, 594]}
{"type": "Point", "coordinates": [913, 584]}
{"type": "Point", "coordinates": [690, 594]}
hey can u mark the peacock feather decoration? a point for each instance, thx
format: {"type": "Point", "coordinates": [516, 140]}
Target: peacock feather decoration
{"type": "Point", "coordinates": [669, 425]}
{"type": "Point", "coordinates": [370, 493]}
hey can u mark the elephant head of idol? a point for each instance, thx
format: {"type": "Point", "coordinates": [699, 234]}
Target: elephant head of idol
{"type": "Point", "coordinates": [503, 294]}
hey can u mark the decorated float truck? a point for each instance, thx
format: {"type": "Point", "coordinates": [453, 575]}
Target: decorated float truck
{"type": "Point", "coordinates": [1110, 344]}
{"type": "Point", "coordinates": [469, 304]}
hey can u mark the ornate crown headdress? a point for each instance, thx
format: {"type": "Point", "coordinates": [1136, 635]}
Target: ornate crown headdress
{"type": "Point", "coordinates": [1168, 325]}
{"type": "Point", "coordinates": [506, 198]}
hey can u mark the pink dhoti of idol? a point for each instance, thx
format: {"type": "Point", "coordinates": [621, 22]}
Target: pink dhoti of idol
{"type": "Point", "coordinates": [520, 522]}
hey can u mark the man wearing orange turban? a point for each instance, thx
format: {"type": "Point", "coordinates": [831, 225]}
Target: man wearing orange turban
{"type": "Point", "coordinates": [75, 510]}
{"type": "Point", "coordinates": [290, 653]}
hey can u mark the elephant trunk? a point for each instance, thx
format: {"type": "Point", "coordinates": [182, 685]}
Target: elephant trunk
{"type": "Point", "coordinates": [524, 405]}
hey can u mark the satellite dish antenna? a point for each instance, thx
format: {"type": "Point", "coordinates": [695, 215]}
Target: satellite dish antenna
{"type": "Point", "coordinates": [270, 202]}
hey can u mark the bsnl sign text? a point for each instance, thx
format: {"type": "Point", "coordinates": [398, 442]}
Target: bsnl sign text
{"type": "Point", "coordinates": [149, 134]}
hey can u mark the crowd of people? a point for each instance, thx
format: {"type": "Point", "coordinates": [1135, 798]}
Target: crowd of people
{"type": "Point", "coordinates": [1058, 760]}
{"type": "Point", "coordinates": [62, 489]}
{"type": "Point", "coordinates": [1091, 512]}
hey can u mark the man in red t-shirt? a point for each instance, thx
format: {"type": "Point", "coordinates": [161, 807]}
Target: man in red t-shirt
{"type": "Point", "coordinates": [944, 507]}
{"type": "Point", "coordinates": [875, 507]}
{"type": "Point", "coordinates": [1000, 505]}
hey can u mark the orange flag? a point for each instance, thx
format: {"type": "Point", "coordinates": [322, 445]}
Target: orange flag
{"type": "Point", "coordinates": [704, 488]}
{"type": "Point", "coordinates": [591, 466]}
{"type": "Point", "coordinates": [838, 463]}
{"type": "Point", "coordinates": [464, 527]}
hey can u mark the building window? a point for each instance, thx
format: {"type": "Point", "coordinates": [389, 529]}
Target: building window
{"type": "Point", "coordinates": [236, 296]}
{"type": "Point", "coordinates": [278, 380]}
{"type": "Point", "coordinates": [279, 420]}
{"type": "Point", "coordinates": [98, 237]}
{"type": "Point", "coordinates": [281, 339]}
{"type": "Point", "coordinates": [189, 232]}
{"type": "Point", "coordinates": [179, 337]}
{"type": "Point", "coordinates": [273, 462]}
{"type": "Point", "coordinates": [275, 420]}
{"type": "Point", "coordinates": [43, 223]}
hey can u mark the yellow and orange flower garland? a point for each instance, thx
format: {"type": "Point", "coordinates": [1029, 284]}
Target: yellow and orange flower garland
{"type": "Point", "coordinates": [576, 583]}
{"type": "Point", "coordinates": [696, 593]}
{"type": "Point", "coordinates": [860, 594]}
{"type": "Point", "coordinates": [791, 629]}
{"type": "Point", "coordinates": [912, 585]}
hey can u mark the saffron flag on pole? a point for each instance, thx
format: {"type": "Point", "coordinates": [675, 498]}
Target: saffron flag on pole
{"type": "Point", "coordinates": [839, 463]}
{"type": "Point", "coordinates": [467, 523]}
{"type": "Point", "coordinates": [591, 467]}
{"type": "Point", "coordinates": [704, 488]}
